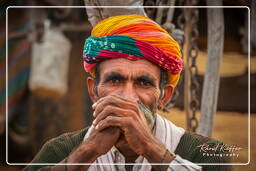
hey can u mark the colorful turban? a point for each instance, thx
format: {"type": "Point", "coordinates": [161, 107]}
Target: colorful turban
{"type": "Point", "coordinates": [133, 37]}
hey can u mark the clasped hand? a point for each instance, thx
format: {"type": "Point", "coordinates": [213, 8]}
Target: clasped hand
{"type": "Point", "coordinates": [114, 111]}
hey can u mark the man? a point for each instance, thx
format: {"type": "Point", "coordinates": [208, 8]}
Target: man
{"type": "Point", "coordinates": [134, 66]}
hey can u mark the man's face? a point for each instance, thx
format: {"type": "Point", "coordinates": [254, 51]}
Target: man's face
{"type": "Point", "coordinates": [132, 80]}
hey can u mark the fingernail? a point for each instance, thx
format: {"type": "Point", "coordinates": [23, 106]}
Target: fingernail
{"type": "Point", "coordinates": [97, 127]}
{"type": "Point", "coordinates": [94, 105]}
{"type": "Point", "coordinates": [93, 114]}
{"type": "Point", "coordinates": [94, 122]}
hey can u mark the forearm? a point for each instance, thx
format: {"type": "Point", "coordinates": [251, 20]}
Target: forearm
{"type": "Point", "coordinates": [82, 154]}
{"type": "Point", "coordinates": [156, 152]}
{"type": "Point", "coordinates": [171, 162]}
{"type": "Point", "coordinates": [165, 161]}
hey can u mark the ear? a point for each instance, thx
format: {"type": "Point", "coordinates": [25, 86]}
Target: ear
{"type": "Point", "coordinates": [91, 85]}
{"type": "Point", "coordinates": [166, 97]}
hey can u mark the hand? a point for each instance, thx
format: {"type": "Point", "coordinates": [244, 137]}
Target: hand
{"type": "Point", "coordinates": [97, 144]}
{"type": "Point", "coordinates": [102, 141]}
{"type": "Point", "coordinates": [113, 111]}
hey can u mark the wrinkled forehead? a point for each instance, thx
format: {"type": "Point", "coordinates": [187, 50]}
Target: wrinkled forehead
{"type": "Point", "coordinates": [129, 68]}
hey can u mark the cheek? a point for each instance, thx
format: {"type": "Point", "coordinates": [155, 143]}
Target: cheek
{"type": "Point", "coordinates": [104, 90]}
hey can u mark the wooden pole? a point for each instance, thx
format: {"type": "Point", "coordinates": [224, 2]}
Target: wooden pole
{"type": "Point", "coordinates": [187, 76]}
{"type": "Point", "coordinates": [95, 15]}
{"type": "Point", "coordinates": [211, 78]}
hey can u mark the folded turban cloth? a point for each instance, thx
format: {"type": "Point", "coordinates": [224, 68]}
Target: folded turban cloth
{"type": "Point", "coordinates": [133, 37]}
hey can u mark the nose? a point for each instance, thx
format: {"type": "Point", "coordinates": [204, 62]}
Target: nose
{"type": "Point", "coordinates": [129, 92]}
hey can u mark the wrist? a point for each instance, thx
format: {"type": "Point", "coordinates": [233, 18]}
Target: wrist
{"type": "Point", "coordinates": [91, 153]}
{"type": "Point", "coordinates": [85, 153]}
{"type": "Point", "coordinates": [156, 152]}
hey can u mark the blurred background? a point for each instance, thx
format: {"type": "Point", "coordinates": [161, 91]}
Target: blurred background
{"type": "Point", "coordinates": [47, 93]}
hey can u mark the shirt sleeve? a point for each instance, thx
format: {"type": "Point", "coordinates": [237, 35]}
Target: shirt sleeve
{"type": "Point", "coordinates": [181, 164]}
{"type": "Point", "coordinates": [53, 151]}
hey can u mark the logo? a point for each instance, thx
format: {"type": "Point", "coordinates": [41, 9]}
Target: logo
{"type": "Point", "coordinates": [218, 149]}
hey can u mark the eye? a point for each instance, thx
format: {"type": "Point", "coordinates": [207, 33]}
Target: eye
{"type": "Point", "coordinates": [115, 81]}
{"type": "Point", "coordinates": [144, 83]}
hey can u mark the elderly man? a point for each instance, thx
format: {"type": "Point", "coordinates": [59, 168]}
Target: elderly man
{"type": "Point", "coordinates": [134, 66]}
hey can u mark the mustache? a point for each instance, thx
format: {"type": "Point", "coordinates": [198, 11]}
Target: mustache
{"type": "Point", "coordinates": [149, 115]}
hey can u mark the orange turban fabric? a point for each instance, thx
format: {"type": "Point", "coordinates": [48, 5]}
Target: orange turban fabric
{"type": "Point", "coordinates": [133, 37]}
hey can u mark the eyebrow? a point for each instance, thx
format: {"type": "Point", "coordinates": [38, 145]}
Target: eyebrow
{"type": "Point", "coordinates": [147, 79]}
{"type": "Point", "coordinates": [114, 75]}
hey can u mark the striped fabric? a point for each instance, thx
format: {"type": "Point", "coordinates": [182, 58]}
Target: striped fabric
{"type": "Point", "coordinates": [166, 132]}
{"type": "Point", "coordinates": [18, 68]}
{"type": "Point", "coordinates": [57, 149]}
{"type": "Point", "coordinates": [133, 37]}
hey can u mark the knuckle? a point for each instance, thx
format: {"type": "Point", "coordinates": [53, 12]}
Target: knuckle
{"type": "Point", "coordinates": [101, 123]}
{"type": "Point", "coordinates": [133, 113]}
{"type": "Point", "coordinates": [130, 113]}
{"type": "Point", "coordinates": [99, 108]}
{"type": "Point", "coordinates": [109, 109]}
{"type": "Point", "coordinates": [109, 98]}
{"type": "Point", "coordinates": [127, 112]}
{"type": "Point", "coordinates": [134, 107]}
{"type": "Point", "coordinates": [109, 118]}
{"type": "Point", "coordinates": [128, 121]}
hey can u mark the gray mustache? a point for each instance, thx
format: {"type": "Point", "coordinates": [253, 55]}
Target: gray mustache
{"type": "Point", "coordinates": [149, 115]}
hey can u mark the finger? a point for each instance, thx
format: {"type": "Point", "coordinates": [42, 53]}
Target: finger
{"type": "Point", "coordinates": [105, 97]}
{"type": "Point", "coordinates": [118, 99]}
{"type": "Point", "coordinates": [109, 110]}
{"type": "Point", "coordinates": [100, 100]}
{"type": "Point", "coordinates": [102, 104]}
{"type": "Point", "coordinates": [112, 121]}
{"type": "Point", "coordinates": [115, 101]}
{"type": "Point", "coordinates": [95, 103]}
{"type": "Point", "coordinates": [114, 111]}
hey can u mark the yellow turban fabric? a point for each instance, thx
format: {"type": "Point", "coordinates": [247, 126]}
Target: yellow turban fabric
{"type": "Point", "coordinates": [133, 37]}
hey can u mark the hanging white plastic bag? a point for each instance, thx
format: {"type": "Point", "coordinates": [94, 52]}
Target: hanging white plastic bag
{"type": "Point", "coordinates": [49, 63]}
